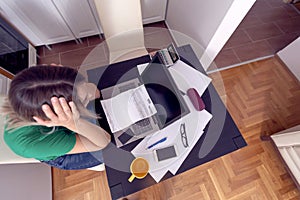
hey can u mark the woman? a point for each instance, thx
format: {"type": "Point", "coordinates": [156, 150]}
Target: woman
{"type": "Point", "coordinates": [46, 118]}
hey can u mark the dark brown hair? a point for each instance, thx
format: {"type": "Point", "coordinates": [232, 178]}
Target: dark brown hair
{"type": "Point", "coordinates": [34, 86]}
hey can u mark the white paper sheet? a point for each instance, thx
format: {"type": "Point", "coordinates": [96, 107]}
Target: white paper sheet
{"type": "Point", "coordinates": [127, 108]}
{"type": "Point", "coordinates": [187, 77]}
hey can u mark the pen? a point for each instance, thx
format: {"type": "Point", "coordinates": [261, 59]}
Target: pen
{"type": "Point", "coordinates": [156, 143]}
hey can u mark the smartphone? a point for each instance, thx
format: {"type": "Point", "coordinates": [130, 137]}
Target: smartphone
{"type": "Point", "coordinates": [173, 53]}
{"type": "Point", "coordinates": [165, 153]}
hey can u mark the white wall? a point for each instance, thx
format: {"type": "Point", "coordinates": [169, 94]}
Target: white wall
{"type": "Point", "coordinates": [290, 56]}
{"type": "Point", "coordinates": [206, 24]}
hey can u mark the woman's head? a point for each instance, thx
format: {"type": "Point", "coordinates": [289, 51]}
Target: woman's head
{"type": "Point", "coordinates": [33, 87]}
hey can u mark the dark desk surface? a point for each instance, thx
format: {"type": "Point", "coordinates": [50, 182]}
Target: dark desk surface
{"type": "Point", "coordinates": [221, 135]}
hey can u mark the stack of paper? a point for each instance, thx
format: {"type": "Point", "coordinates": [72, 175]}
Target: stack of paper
{"type": "Point", "coordinates": [185, 77]}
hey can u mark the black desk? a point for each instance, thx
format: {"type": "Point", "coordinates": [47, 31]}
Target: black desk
{"type": "Point", "coordinates": [221, 135]}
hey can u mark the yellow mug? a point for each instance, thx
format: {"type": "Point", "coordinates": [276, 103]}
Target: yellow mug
{"type": "Point", "coordinates": [139, 168]}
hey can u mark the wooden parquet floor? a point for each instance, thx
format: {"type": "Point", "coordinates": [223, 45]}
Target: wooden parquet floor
{"type": "Point", "coordinates": [263, 97]}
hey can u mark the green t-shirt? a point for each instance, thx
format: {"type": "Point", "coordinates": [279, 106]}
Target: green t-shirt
{"type": "Point", "coordinates": [38, 142]}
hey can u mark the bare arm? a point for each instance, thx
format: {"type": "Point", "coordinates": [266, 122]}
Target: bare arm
{"type": "Point", "coordinates": [90, 137]}
{"type": "Point", "coordinates": [87, 92]}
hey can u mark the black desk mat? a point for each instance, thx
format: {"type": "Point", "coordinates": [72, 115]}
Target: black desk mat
{"type": "Point", "coordinates": [221, 135]}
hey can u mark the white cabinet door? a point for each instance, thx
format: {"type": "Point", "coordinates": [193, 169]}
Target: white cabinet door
{"type": "Point", "coordinates": [38, 20]}
{"type": "Point", "coordinates": [53, 21]}
{"type": "Point", "coordinates": [153, 10]}
{"type": "Point", "coordinates": [95, 14]}
{"type": "Point", "coordinates": [79, 17]}
{"type": "Point", "coordinates": [11, 16]}
{"type": "Point", "coordinates": [4, 85]}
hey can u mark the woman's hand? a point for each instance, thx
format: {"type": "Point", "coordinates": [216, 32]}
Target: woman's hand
{"type": "Point", "coordinates": [89, 137]}
{"type": "Point", "coordinates": [65, 114]}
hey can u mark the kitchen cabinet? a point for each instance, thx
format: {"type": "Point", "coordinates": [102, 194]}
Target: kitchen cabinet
{"type": "Point", "coordinates": [38, 20]}
{"type": "Point", "coordinates": [4, 85]}
{"type": "Point", "coordinates": [51, 21]}
{"type": "Point", "coordinates": [79, 16]}
{"type": "Point", "coordinates": [153, 10]}
{"type": "Point", "coordinates": [54, 21]}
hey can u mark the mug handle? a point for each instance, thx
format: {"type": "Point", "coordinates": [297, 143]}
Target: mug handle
{"type": "Point", "coordinates": [131, 178]}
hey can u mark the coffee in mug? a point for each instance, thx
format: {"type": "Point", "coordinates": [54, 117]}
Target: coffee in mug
{"type": "Point", "coordinates": [139, 168]}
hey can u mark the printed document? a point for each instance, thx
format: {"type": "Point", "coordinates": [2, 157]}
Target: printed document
{"type": "Point", "coordinates": [127, 108]}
